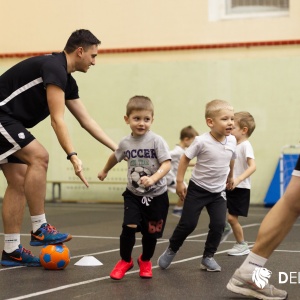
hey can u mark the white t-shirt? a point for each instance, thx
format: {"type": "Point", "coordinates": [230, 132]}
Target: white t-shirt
{"type": "Point", "coordinates": [213, 160]}
{"type": "Point", "coordinates": [175, 155]}
{"type": "Point", "coordinates": [244, 150]}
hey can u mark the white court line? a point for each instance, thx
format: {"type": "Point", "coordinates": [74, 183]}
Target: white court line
{"type": "Point", "coordinates": [161, 241]}
{"type": "Point", "coordinates": [288, 251]}
{"type": "Point", "coordinates": [112, 237]}
{"type": "Point", "coordinates": [63, 287]}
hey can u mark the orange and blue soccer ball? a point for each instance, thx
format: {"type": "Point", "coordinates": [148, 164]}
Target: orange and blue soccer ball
{"type": "Point", "coordinates": [55, 257]}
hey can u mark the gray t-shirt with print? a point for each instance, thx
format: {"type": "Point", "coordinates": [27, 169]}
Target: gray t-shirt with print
{"type": "Point", "coordinates": [145, 154]}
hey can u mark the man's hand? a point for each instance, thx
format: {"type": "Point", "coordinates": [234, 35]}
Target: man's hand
{"type": "Point", "coordinates": [77, 165]}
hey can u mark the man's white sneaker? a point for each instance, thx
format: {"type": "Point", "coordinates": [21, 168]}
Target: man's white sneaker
{"type": "Point", "coordinates": [243, 284]}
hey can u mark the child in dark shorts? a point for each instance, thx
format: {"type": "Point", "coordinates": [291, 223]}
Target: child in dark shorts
{"type": "Point", "coordinates": [146, 199]}
{"type": "Point", "coordinates": [238, 199]}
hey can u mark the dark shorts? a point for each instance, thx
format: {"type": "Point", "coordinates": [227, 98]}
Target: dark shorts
{"type": "Point", "coordinates": [238, 201]}
{"type": "Point", "coordinates": [13, 137]}
{"type": "Point", "coordinates": [148, 213]}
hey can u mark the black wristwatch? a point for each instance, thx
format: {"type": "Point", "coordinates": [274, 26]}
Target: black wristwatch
{"type": "Point", "coordinates": [70, 155]}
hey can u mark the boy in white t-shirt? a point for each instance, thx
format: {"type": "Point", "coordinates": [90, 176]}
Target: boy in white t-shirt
{"type": "Point", "coordinates": [238, 199]}
{"type": "Point", "coordinates": [215, 152]}
{"type": "Point", "coordinates": [187, 136]}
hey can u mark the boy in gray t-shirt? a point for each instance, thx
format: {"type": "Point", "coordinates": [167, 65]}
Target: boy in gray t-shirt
{"type": "Point", "coordinates": [146, 199]}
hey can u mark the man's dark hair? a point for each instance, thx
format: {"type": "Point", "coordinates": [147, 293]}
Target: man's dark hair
{"type": "Point", "coordinates": [81, 38]}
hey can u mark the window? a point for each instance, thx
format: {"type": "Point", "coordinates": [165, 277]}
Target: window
{"type": "Point", "coordinates": [231, 9]}
{"type": "Point", "coordinates": [256, 6]}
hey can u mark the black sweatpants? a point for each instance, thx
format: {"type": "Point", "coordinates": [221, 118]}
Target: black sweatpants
{"type": "Point", "coordinates": [196, 199]}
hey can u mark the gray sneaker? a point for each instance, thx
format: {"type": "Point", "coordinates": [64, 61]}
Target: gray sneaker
{"type": "Point", "coordinates": [166, 258]}
{"type": "Point", "coordinates": [242, 284]}
{"type": "Point", "coordinates": [226, 233]}
{"type": "Point", "coordinates": [209, 264]}
{"type": "Point", "coordinates": [239, 249]}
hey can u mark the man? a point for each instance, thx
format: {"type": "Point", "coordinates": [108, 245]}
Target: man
{"type": "Point", "coordinates": [29, 92]}
{"type": "Point", "coordinates": [274, 228]}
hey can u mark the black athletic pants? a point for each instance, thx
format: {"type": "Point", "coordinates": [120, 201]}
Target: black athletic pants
{"type": "Point", "coordinates": [196, 199]}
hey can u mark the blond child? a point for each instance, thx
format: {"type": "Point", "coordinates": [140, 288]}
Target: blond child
{"type": "Point", "coordinates": [215, 152]}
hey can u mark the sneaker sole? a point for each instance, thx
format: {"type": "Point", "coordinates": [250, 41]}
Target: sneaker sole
{"type": "Point", "coordinates": [145, 277]}
{"type": "Point", "coordinates": [239, 253]}
{"type": "Point", "coordinates": [203, 267]}
{"type": "Point", "coordinates": [7, 263]}
{"type": "Point", "coordinates": [248, 292]}
{"type": "Point", "coordinates": [54, 242]}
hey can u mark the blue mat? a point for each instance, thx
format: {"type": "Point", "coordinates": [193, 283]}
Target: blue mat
{"type": "Point", "coordinates": [273, 193]}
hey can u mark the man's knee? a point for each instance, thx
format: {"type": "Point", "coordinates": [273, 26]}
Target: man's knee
{"type": "Point", "coordinates": [43, 158]}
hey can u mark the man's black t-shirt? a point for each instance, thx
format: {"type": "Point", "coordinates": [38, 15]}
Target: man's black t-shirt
{"type": "Point", "coordinates": [23, 87]}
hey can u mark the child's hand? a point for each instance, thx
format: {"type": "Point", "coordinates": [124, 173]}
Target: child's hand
{"type": "Point", "coordinates": [146, 181]}
{"type": "Point", "coordinates": [236, 182]}
{"type": "Point", "coordinates": [102, 175]}
{"type": "Point", "coordinates": [230, 184]}
{"type": "Point", "coordinates": [181, 190]}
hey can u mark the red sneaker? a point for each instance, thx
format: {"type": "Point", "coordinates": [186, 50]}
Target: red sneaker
{"type": "Point", "coordinates": [145, 268]}
{"type": "Point", "coordinates": [120, 269]}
